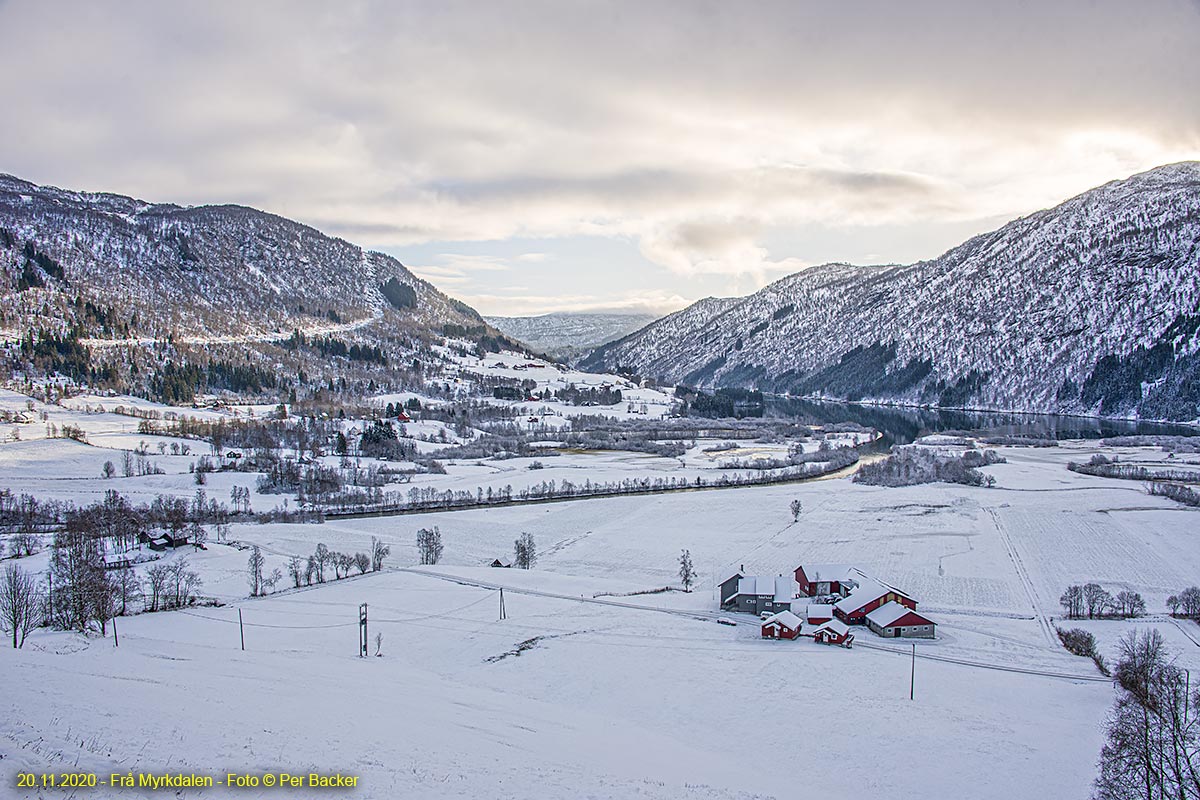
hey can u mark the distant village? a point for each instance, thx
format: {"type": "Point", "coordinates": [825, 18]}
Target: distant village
{"type": "Point", "coordinates": [829, 599]}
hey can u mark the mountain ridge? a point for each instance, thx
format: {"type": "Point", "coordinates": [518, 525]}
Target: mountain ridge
{"type": "Point", "coordinates": [1061, 310]}
{"type": "Point", "coordinates": [116, 285]}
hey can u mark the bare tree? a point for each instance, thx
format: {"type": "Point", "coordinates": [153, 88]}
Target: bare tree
{"type": "Point", "coordinates": [191, 584]}
{"type": "Point", "coordinates": [103, 600]}
{"type": "Point", "coordinates": [379, 551]}
{"type": "Point", "coordinates": [156, 582]}
{"type": "Point", "coordinates": [295, 569]}
{"type": "Point", "coordinates": [525, 551]}
{"type": "Point", "coordinates": [1189, 601]}
{"type": "Point", "coordinates": [429, 545]}
{"type": "Point", "coordinates": [1095, 599]}
{"type": "Point", "coordinates": [254, 571]}
{"type": "Point", "coordinates": [363, 562]}
{"type": "Point", "coordinates": [272, 580]}
{"type": "Point", "coordinates": [128, 589]}
{"type": "Point", "coordinates": [108, 470]}
{"type": "Point", "coordinates": [1153, 746]}
{"type": "Point", "coordinates": [24, 543]}
{"type": "Point", "coordinates": [20, 604]}
{"type": "Point", "coordinates": [1072, 602]}
{"type": "Point", "coordinates": [1130, 604]}
{"type": "Point", "coordinates": [1173, 603]}
{"type": "Point", "coordinates": [687, 573]}
{"type": "Point", "coordinates": [321, 557]}
{"type": "Point", "coordinates": [77, 566]}
{"type": "Point", "coordinates": [796, 507]}
{"type": "Point", "coordinates": [198, 535]}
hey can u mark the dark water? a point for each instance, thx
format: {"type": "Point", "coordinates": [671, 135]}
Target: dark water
{"type": "Point", "coordinates": [903, 425]}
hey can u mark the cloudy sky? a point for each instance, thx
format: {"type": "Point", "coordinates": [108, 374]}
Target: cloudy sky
{"type": "Point", "coordinates": [530, 157]}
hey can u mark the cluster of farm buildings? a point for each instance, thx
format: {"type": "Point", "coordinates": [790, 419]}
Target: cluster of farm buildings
{"type": "Point", "coordinates": [828, 597]}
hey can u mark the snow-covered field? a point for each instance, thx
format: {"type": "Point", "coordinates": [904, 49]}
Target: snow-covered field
{"type": "Point", "coordinates": [606, 693]}
{"type": "Point", "coordinates": [607, 702]}
{"type": "Point", "coordinates": [69, 470]}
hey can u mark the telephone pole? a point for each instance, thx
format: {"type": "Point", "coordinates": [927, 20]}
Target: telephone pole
{"type": "Point", "coordinates": [241, 629]}
{"type": "Point", "coordinates": [116, 641]}
{"type": "Point", "coordinates": [362, 631]}
{"type": "Point", "coordinates": [912, 680]}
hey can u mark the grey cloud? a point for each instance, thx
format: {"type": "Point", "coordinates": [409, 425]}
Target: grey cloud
{"type": "Point", "coordinates": [390, 123]}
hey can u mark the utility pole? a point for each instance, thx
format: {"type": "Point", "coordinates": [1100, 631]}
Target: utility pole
{"type": "Point", "coordinates": [116, 641]}
{"type": "Point", "coordinates": [502, 614]}
{"type": "Point", "coordinates": [241, 629]}
{"type": "Point", "coordinates": [362, 631]}
{"type": "Point", "coordinates": [912, 680]}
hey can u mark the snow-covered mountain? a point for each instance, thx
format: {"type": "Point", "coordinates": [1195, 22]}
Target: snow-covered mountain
{"type": "Point", "coordinates": [568, 335]}
{"type": "Point", "coordinates": [1089, 307]}
{"type": "Point", "coordinates": [207, 270]}
{"type": "Point", "coordinates": [123, 288]}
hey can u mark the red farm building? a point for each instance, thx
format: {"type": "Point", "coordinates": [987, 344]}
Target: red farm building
{"type": "Point", "coordinates": [853, 609]}
{"type": "Point", "coordinates": [833, 632]}
{"type": "Point", "coordinates": [784, 625]}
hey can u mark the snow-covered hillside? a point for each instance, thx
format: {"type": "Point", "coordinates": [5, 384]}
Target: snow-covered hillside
{"type": "Point", "coordinates": [1090, 307]}
{"type": "Point", "coordinates": [207, 270]}
{"type": "Point", "coordinates": [567, 335]}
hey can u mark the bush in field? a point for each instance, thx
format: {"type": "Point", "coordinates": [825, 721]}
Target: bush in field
{"type": "Point", "coordinates": [1077, 641]}
{"type": "Point", "coordinates": [1082, 643]}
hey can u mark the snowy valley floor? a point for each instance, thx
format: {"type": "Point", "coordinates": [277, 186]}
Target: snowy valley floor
{"type": "Point", "coordinates": [576, 695]}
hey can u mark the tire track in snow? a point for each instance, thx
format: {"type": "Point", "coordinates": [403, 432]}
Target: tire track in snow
{"type": "Point", "coordinates": [1183, 629]}
{"type": "Point", "coordinates": [1026, 581]}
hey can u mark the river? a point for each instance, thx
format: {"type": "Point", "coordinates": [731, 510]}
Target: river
{"type": "Point", "coordinates": [901, 425]}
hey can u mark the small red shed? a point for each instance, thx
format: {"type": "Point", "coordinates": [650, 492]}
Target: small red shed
{"type": "Point", "coordinates": [833, 632]}
{"type": "Point", "coordinates": [784, 625]}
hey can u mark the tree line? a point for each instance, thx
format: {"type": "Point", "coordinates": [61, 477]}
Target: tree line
{"type": "Point", "coordinates": [1091, 600]}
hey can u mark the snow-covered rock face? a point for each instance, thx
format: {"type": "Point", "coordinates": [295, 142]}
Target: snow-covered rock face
{"type": "Point", "coordinates": [205, 271]}
{"type": "Point", "coordinates": [1045, 314]}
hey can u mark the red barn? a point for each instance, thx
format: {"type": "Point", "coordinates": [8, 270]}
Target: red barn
{"type": "Point", "coordinates": [854, 608]}
{"type": "Point", "coordinates": [895, 620]}
{"type": "Point", "coordinates": [819, 580]}
{"type": "Point", "coordinates": [784, 625]}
